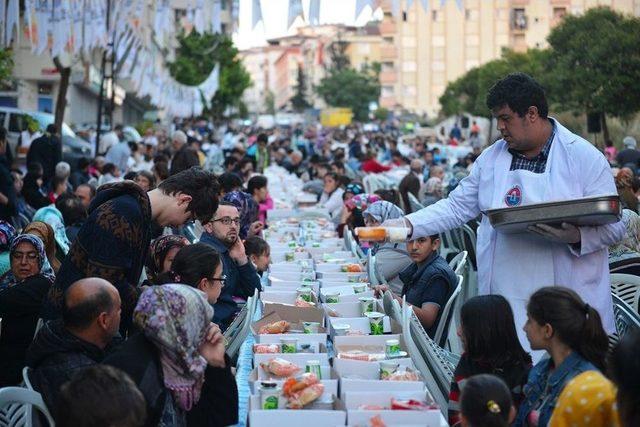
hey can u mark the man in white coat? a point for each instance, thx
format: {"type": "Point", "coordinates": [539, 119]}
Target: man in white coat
{"type": "Point", "coordinates": [537, 160]}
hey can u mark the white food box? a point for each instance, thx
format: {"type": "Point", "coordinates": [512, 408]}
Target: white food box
{"type": "Point", "coordinates": [299, 359]}
{"type": "Point", "coordinates": [295, 418]}
{"type": "Point", "coordinates": [357, 369]}
{"type": "Point", "coordinates": [353, 400]}
{"type": "Point", "coordinates": [346, 293]}
{"type": "Point", "coordinates": [358, 325]}
{"type": "Point", "coordinates": [329, 379]}
{"type": "Point", "coordinates": [342, 309]}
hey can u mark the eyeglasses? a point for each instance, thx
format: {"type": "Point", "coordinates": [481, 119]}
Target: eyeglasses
{"type": "Point", "coordinates": [227, 220]}
{"type": "Point", "coordinates": [222, 279]}
{"type": "Point", "coordinates": [19, 256]}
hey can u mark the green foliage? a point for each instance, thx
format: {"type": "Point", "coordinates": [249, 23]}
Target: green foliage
{"type": "Point", "coordinates": [381, 114]}
{"type": "Point", "coordinates": [196, 57]}
{"type": "Point", "coordinates": [143, 126]}
{"type": "Point", "coordinates": [595, 61]}
{"type": "Point", "coordinates": [6, 67]}
{"type": "Point", "coordinates": [270, 102]}
{"type": "Point", "coordinates": [299, 101]}
{"type": "Point", "coordinates": [467, 93]}
{"type": "Point", "coordinates": [345, 87]}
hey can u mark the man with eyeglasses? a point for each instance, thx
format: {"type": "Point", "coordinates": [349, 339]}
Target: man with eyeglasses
{"type": "Point", "coordinates": [221, 233]}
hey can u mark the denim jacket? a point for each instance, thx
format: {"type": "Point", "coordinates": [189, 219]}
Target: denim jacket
{"type": "Point", "coordinates": [545, 384]}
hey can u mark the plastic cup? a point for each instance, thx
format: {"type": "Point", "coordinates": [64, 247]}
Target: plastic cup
{"type": "Point", "coordinates": [375, 322]}
{"type": "Point", "coordinates": [289, 345]}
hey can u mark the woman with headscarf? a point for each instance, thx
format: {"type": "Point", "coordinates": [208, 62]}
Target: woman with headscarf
{"type": "Point", "coordinates": [433, 191]}
{"type": "Point", "coordinates": [351, 215]}
{"type": "Point", "coordinates": [178, 361]}
{"type": "Point", "coordinates": [47, 235]}
{"type": "Point", "coordinates": [624, 256]}
{"type": "Point", "coordinates": [624, 184]}
{"type": "Point", "coordinates": [52, 216]}
{"type": "Point", "coordinates": [162, 251]}
{"type": "Point", "coordinates": [248, 210]}
{"type": "Point", "coordinates": [22, 290]}
{"type": "Point", "coordinates": [7, 233]}
{"type": "Point", "coordinates": [391, 258]}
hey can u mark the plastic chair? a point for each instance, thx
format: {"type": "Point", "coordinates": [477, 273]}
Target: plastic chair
{"type": "Point", "coordinates": [447, 314]}
{"type": "Point", "coordinates": [16, 404]}
{"type": "Point", "coordinates": [25, 378]}
{"type": "Point", "coordinates": [371, 269]}
{"type": "Point", "coordinates": [627, 287]}
{"type": "Point", "coordinates": [626, 319]}
{"type": "Point", "coordinates": [458, 263]}
{"type": "Point", "coordinates": [347, 241]}
{"type": "Point", "coordinates": [414, 203]}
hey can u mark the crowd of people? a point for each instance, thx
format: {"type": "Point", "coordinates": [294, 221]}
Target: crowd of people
{"type": "Point", "coordinates": [119, 314]}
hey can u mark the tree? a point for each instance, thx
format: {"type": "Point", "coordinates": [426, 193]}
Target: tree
{"type": "Point", "coordinates": [6, 67]}
{"type": "Point", "coordinates": [595, 63]}
{"type": "Point", "coordinates": [299, 100]}
{"type": "Point", "coordinates": [468, 93]}
{"type": "Point", "coordinates": [270, 102]}
{"type": "Point", "coordinates": [195, 58]}
{"type": "Point", "coordinates": [338, 55]}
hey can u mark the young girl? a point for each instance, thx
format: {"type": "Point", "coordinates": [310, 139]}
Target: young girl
{"type": "Point", "coordinates": [486, 402]}
{"type": "Point", "coordinates": [198, 266]}
{"type": "Point", "coordinates": [491, 346]}
{"type": "Point", "coordinates": [560, 322]}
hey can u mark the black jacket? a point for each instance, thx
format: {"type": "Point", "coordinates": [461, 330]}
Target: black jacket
{"type": "Point", "coordinates": [218, 404]}
{"type": "Point", "coordinates": [54, 356]}
{"type": "Point", "coordinates": [47, 151]}
{"type": "Point", "coordinates": [32, 192]}
{"type": "Point", "coordinates": [19, 308]}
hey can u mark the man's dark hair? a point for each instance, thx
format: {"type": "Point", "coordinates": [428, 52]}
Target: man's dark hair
{"type": "Point", "coordinates": [255, 183]}
{"type": "Point", "coordinates": [81, 315]}
{"type": "Point", "coordinates": [229, 181]}
{"type": "Point", "coordinates": [52, 129]}
{"type": "Point", "coordinates": [262, 137]}
{"type": "Point", "coordinates": [100, 396]}
{"type": "Point", "coordinates": [72, 209]}
{"type": "Point", "coordinates": [230, 162]}
{"type": "Point", "coordinates": [201, 185]}
{"type": "Point", "coordinates": [92, 189]}
{"type": "Point", "coordinates": [256, 246]}
{"type": "Point", "coordinates": [519, 91]}
{"type": "Point", "coordinates": [34, 168]}
{"type": "Point", "coordinates": [83, 162]}
{"type": "Point", "coordinates": [109, 168]}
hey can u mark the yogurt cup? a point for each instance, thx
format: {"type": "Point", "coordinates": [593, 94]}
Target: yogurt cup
{"type": "Point", "coordinates": [269, 395]}
{"type": "Point", "coordinates": [304, 293]}
{"type": "Point", "coordinates": [341, 329]}
{"type": "Point", "coordinates": [359, 288]}
{"type": "Point", "coordinates": [289, 345]}
{"type": "Point", "coordinates": [310, 327]}
{"type": "Point", "coordinates": [387, 368]}
{"type": "Point", "coordinates": [332, 297]}
{"type": "Point", "coordinates": [375, 322]}
{"type": "Point", "coordinates": [392, 348]}
{"type": "Point", "coordinates": [313, 366]}
{"type": "Point", "coordinates": [367, 305]}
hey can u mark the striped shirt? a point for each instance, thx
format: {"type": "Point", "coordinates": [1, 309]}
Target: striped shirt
{"type": "Point", "coordinates": [538, 163]}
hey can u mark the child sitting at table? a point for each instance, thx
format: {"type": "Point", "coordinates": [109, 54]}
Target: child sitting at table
{"type": "Point", "coordinates": [486, 402]}
{"type": "Point", "coordinates": [259, 253]}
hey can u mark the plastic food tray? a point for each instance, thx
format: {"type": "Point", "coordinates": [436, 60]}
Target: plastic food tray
{"type": "Point", "coordinates": [588, 211]}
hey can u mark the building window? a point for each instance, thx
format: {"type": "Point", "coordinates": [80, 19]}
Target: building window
{"type": "Point", "coordinates": [224, 5]}
{"type": "Point", "coordinates": [409, 66]}
{"type": "Point", "coordinates": [409, 91]}
{"type": "Point", "coordinates": [518, 19]}
{"type": "Point", "coordinates": [559, 12]}
{"type": "Point", "coordinates": [45, 98]}
{"type": "Point", "coordinates": [404, 16]}
{"type": "Point", "coordinates": [434, 15]}
{"type": "Point", "coordinates": [386, 91]}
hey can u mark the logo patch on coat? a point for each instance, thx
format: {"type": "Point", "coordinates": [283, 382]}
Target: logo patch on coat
{"type": "Point", "coordinates": [513, 197]}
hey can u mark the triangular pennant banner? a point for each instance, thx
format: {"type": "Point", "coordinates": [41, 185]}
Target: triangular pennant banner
{"type": "Point", "coordinates": [314, 12]}
{"type": "Point", "coordinates": [425, 5]}
{"type": "Point", "coordinates": [409, 4]}
{"type": "Point", "coordinates": [256, 10]}
{"type": "Point", "coordinates": [295, 10]}
{"type": "Point", "coordinates": [360, 5]}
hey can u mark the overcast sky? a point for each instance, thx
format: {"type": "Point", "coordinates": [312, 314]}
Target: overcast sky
{"type": "Point", "coordinates": [275, 14]}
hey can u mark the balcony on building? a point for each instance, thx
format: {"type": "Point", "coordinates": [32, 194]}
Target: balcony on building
{"type": "Point", "coordinates": [387, 26]}
{"type": "Point", "coordinates": [388, 102]}
{"type": "Point", "coordinates": [388, 76]}
{"type": "Point", "coordinates": [519, 20]}
{"type": "Point", "coordinates": [388, 52]}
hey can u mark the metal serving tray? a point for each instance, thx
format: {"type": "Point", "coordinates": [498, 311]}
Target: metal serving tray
{"type": "Point", "coordinates": [588, 211]}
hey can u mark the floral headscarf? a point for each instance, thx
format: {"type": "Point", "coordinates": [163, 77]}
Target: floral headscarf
{"type": "Point", "coordinates": [44, 230]}
{"type": "Point", "coordinates": [175, 318]}
{"type": "Point", "coordinates": [158, 251]}
{"type": "Point", "coordinates": [631, 243]}
{"type": "Point", "coordinates": [362, 201]}
{"type": "Point", "coordinates": [383, 210]}
{"type": "Point", "coordinates": [9, 279]}
{"type": "Point", "coordinates": [247, 208]}
{"type": "Point", "coordinates": [7, 232]}
{"type": "Point", "coordinates": [434, 187]}
{"type": "Point", "coordinates": [52, 216]}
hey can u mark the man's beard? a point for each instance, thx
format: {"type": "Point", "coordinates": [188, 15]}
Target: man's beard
{"type": "Point", "coordinates": [230, 240]}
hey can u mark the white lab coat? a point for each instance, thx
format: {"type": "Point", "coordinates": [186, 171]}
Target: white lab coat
{"type": "Point", "coordinates": [575, 169]}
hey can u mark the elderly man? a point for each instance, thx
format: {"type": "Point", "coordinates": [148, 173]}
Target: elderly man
{"type": "Point", "coordinates": [90, 321]}
{"type": "Point", "coordinates": [184, 156]}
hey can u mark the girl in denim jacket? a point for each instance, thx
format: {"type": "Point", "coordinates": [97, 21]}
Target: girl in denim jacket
{"type": "Point", "coordinates": [559, 322]}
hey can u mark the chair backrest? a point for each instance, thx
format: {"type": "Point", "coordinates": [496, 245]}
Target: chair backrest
{"type": "Point", "coordinates": [25, 377]}
{"type": "Point", "coordinates": [458, 263]}
{"type": "Point", "coordinates": [371, 269]}
{"type": "Point", "coordinates": [16, 404]}
{"type": "Point", "coordinates": [447, 312]}
{"type": "Point", "coordinates": [413, 201]}
{"type": "Point", "coordinates": [625, 318]}
{"type": "Point", "coordinates": [345, 236]}
{"type": "Point", "coordinates": [627, 287]}
{"type": "Point", "coordinates": [245, 329]}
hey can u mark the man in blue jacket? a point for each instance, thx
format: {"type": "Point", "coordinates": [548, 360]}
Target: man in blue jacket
{"type": "Point", "coordinates": [221, 233]}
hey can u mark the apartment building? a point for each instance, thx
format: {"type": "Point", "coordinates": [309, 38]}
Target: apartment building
{"type": "Point", "coordinates": [424, 50]}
